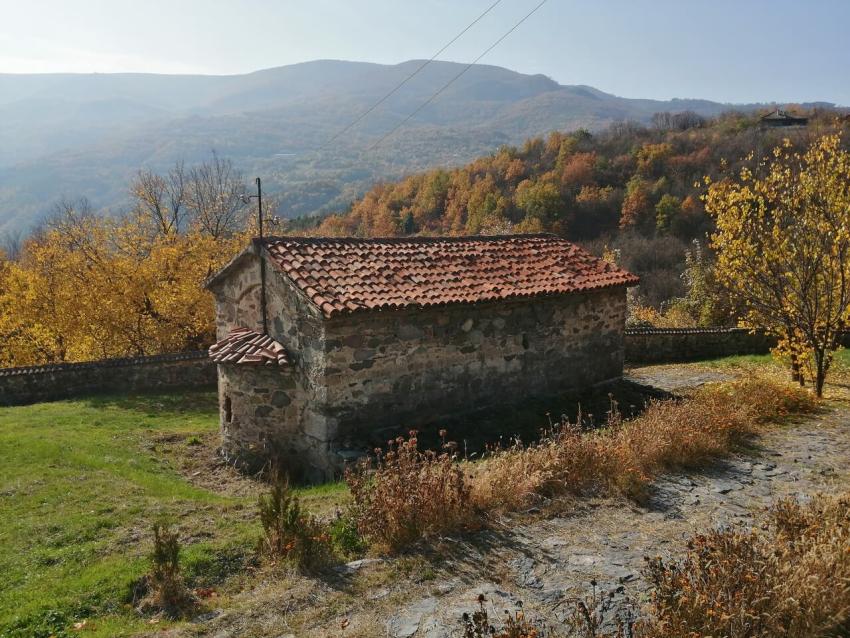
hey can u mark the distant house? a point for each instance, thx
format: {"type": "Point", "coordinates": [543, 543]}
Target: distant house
{"type": "Point", "coordinates": [370, 333]}
{"type": "Point", "coordinates": [780, 118]}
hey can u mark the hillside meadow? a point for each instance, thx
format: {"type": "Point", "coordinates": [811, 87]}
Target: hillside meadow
{"type": "Point", "coordinates": [82, 482]}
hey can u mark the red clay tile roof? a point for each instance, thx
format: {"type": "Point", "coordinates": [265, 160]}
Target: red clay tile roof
{"type": "Point", "coordinates": [348, 274]}
{"type": "Point", "coordinates": [248, 347]}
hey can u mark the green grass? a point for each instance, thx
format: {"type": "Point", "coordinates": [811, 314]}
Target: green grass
{"type": "Point", "coordinates": [840, 364]}
{"type": "Point", "coordinates": [81, 483]}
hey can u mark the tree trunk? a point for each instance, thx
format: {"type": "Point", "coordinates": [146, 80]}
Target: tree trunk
{"type": "Point", "coordinates": [820, 371]}
{"type": "Point", "coordinates": [797, 375]}
{"type": "Point", "coordinates": [796, 371]}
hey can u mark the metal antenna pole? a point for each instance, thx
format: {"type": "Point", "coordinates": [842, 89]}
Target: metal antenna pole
{"type": "Point", "coordinates": [260, 205]}
{"type": "Point", "coordinates": [262, 258]}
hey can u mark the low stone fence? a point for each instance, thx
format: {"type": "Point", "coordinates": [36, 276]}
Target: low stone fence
{"type": "Point", "coordinates": [669, 345]}
{"type": "Point", "coordinates": [20, 386]}
{"type": "Point", "coordinates": [33, 384]}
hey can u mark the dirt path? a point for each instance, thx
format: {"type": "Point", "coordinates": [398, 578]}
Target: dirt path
{"type": "Point", "coordinates": [545, 562]}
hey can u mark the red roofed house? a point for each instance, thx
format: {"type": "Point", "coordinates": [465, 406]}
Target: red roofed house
{"type": "Point", "coordinates": [371, 333]}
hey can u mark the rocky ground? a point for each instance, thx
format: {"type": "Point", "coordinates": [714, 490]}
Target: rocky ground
{"type": "Point", "coordinates": [545, 562]}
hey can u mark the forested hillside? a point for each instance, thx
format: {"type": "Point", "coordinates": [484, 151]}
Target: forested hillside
{"type": "Point", "coordinates": [87, 135]}
{"type": "Point", "coordinates": [632, 187]}
{"type": "Point", "coordinates": [86, 286]}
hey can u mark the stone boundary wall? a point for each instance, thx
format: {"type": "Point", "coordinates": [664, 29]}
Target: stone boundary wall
{"type": "Point", "coordinates": [20, 386]}
{"type": "Point", "coordinates": [669, 345]}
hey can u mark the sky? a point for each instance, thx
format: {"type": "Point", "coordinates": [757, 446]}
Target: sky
{"type": "Point", "coordinates": [730, 51]}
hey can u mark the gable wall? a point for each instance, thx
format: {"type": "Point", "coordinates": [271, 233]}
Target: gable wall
{"type": "Point", "coordinates": [268, 411]}
{"type": "Point", "coordinates": [292, 320]}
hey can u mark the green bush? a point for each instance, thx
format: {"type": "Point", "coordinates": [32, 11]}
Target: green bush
{"type": "Point", "coordinates": [345, 535]}
{"type": "Point", "coordinates": [289, 533]}
{"type": "Point", "coordinates": [167, 591]}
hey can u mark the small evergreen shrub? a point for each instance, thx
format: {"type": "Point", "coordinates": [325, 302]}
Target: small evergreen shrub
{"type": "Point", "coordinates": [289, 533]}
{"type": "Point", "coordinates": [345, 535]}
{"type": "Point", "coordinates": [166, 589]}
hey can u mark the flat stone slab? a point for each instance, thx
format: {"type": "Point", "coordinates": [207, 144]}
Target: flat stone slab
{"type": "Point", "coordinates": [406, 624]}
{"type": "Point", "coordinates": [356, 565]}
{"type": "Point", "coordinates": [674, 378]}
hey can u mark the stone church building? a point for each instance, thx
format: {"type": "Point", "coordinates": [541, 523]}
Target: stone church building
{"type": "Point", "coordinates": [319, 338]}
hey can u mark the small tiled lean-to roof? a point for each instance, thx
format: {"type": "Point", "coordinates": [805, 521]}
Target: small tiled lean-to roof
{"type": "Point", "coordinates": [245, 346]}
{"type": "Point", "coordinates": [347, 274]}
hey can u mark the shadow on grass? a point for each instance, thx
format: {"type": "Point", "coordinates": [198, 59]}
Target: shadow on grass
{"type": "Point", "coordinates": [188, 402]}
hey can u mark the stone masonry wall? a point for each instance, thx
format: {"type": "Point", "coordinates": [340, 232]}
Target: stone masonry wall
{"type": "Point", "coordinates": [20, 386]}
{"type": "Point", "coordinates": [264, 410]}
{"type": "Point", "coordinates": [415, 366]}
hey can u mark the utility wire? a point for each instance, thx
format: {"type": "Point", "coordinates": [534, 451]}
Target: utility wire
{"type": "Point", "coordinates": [450, 82]}
{"type": "Point", "coordinates": [409, 77]}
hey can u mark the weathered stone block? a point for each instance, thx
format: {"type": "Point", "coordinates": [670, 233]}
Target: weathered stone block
{"type": "Point", "coordinates": [280, 399]}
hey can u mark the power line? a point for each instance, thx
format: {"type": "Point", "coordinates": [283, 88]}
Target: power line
{"type": "Point", "coordinates": [409, 77]}
{"type": "Point", "coordinates": [450, 82]}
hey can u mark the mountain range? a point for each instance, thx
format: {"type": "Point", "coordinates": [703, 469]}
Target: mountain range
{"type": "Point", "coordinates": [72, 135]}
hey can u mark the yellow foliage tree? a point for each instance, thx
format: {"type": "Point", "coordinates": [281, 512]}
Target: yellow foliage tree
{"type": "Point", "coordinates": [783, 248]}
{"type": "Point", "coordinates": [90, 288]}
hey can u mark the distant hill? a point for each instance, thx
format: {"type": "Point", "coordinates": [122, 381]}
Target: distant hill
{"type": "Point", "coordinates": [73, 135]}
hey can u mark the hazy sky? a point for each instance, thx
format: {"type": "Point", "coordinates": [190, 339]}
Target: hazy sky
{"type": "Point", "coordinates": [744, 50]}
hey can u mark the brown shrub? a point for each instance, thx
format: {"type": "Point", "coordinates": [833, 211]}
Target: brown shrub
{"type": "Point", "coordinates": [479, 624]}
{"type": "Point", "coordinates": [768, 400]}
{"type": "Point", "coordinates": [791, 578]}
{"type": "Point", "coordinates": [409, 494]}
{"type": "Point", "coordinates": [626, 456]}
{"type": "Point", "coordinates": [566, 460]}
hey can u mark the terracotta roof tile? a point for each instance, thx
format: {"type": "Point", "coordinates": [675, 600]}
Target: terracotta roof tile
{"type": "Point", "coordinates": [245, 346]}
{"type": "Point", "coordinates": [349, 274]}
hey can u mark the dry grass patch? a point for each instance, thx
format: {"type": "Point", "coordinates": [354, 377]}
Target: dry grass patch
{"type": "Point", "coordinates": [408, 494]}
{"type": "Point", "coordinates": [625, 456]}
{"type": "Point", "coordinates": [791, 578]}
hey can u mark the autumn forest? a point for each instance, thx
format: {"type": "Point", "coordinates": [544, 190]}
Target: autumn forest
{"type": "Point", "coordinates": [85, 286]}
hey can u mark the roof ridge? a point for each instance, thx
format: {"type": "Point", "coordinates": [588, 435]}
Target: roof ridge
{"type": "Point", "coordinates": [414, 239]}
